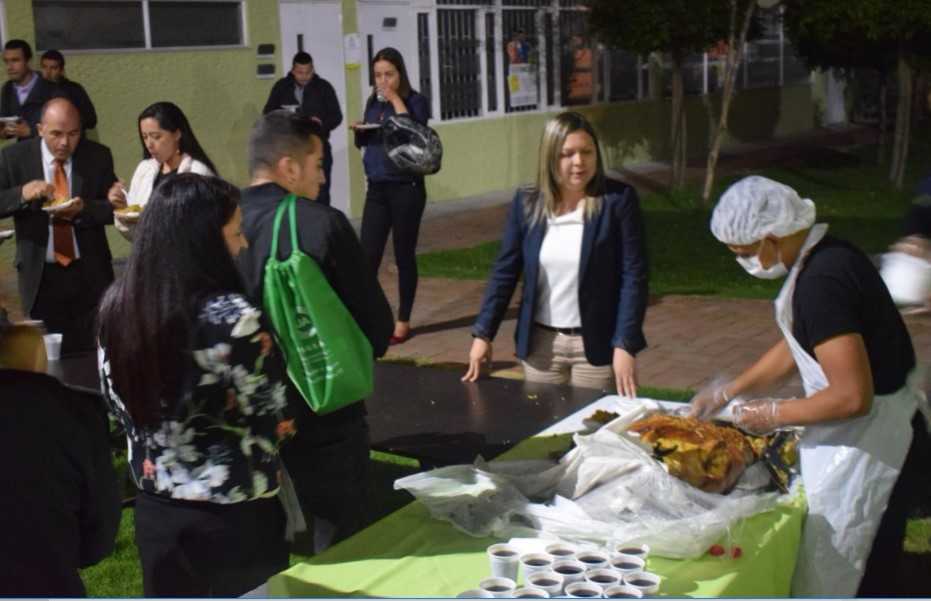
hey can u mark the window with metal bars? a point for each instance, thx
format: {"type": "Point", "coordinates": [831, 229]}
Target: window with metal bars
{"type": "Point", "coordinates": [521, 59]}
{"type": "Point", "coordinates": [577, 67]}
{"type": "Point", "coordinates": [458, 61]}
{"type": "Point", "coordinates": [465, 2]}
{"type": "Point", "coordinates": [423, 52]}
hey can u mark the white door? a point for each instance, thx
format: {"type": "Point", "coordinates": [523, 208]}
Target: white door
{"type": "Point", "coordinates": [315, 26]}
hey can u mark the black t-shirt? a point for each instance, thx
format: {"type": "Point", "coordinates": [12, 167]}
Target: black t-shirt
{"type": "Point", "coordinates": [839, 291]}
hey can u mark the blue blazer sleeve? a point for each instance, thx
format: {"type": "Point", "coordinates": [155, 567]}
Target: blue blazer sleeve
{"type": "Point", "coordinates": [505, 274]}
{"type": "Point", "coordinates": [632, 301]}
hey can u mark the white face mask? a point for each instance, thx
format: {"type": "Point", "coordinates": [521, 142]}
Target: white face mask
{"type": "Point", "coordinates": [753, 266]}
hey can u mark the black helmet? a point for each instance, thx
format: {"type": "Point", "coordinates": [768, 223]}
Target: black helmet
{"type": "Point", "coordinates": [412, 147]}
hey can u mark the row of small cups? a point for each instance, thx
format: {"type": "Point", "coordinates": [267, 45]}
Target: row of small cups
{"type": "Point", "coordinates": [548, 584]}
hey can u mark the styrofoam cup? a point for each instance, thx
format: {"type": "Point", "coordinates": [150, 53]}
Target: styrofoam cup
{"type": "Point", "coordinates": [548, 580]}
{"type": "Point", "coordinates": [475, 593]}
{"type": "Point", "coordinates": [571, 570]}
{"type": "Point", "coordinates": [639, 550]}
{"type": "Point", "coordinates": [604, 577]}
{"type": "Point", "coordinates": [561, 551]}
{"type": "Point", "coordinates": [627, 563]}
{"type": "Point", "coordinates": [592, 558]}
{"type": "Point", "coordinates": [623, 591]}
{"type": "Point", "coordinates": [531, 592]}
{"type": "Point", "coordinates": [498, 587]}
{"type": "Point", "coordinates": [584, 590]}
{"type": "Point", "coordinates": [535, 562]}
{"type": "Point", "coordinates": [52, 346]}
{"type": "Point", "coordinates": [504, 560]}
{"type": "Point", "coordinates": [647, 582]}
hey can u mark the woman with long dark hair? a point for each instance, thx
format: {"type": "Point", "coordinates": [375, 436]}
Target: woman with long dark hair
{"type": "Point", "coordinates": [395, 200]}
{"type": "Point", "coordinates": [198, 385]}
{"type": "Point", "coordinates": [168, 146]}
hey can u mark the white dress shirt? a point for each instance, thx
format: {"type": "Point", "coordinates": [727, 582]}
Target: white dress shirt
{"type": "Point", "coordinates": [48, 168]}
{"type": "Point", "coordinates": [558, 283]}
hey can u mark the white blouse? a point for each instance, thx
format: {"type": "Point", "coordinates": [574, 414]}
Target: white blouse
{"type": "Point", "coordinates": [558, 282]}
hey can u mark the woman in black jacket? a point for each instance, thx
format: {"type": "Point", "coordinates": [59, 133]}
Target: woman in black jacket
{"type": "Point", "coordinates": [395, 200]}
{"type": "Point", "coordinates": [577, 239]}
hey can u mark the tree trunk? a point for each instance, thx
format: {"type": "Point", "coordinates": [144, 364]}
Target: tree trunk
{"type": "Point", "coordinates": [903, 121]}
{"type": "Point", "coordinates": [737, 41]}
{"type": "Point", "coordinates": [678, 133]}
{"type": "Point", "coordinates": [883, 117]}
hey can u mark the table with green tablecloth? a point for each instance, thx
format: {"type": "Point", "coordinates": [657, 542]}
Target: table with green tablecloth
{"type": "Point", "coordinates": [410, 554]}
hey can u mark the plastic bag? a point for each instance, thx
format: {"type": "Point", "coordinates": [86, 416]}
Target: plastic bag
{"type": "Point", "coordinates": [608, 489]}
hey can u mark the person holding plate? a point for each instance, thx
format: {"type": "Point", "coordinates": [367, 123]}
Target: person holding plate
{"type": "Point", "coordinates": [168, 146]}
{"type": "Point", "coordinates": [864, 446]}
{"type": "Point", "coordinates": [63, 259]}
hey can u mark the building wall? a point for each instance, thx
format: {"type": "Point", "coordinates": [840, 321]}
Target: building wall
{"type": "Point", "coordinates": [216, 89]}
{"type": "Point", "coordinates": [482, 155]}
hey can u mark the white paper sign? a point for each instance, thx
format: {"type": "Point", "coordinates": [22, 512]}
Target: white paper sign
{"type": "Point", "coordinates": [352, 50]}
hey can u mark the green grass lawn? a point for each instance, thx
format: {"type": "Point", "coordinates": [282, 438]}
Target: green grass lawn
{"type": "Point", "coordinates": [849, 190]}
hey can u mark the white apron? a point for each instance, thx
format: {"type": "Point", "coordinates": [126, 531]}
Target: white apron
{"type": "Point", "coordinates": [848, 468]}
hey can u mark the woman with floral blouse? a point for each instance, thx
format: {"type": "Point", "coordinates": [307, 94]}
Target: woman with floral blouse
{"type": "Point", "coordinates": [190, 370]}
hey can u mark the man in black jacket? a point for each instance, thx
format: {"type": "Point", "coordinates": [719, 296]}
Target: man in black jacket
{"type": "Point", "coordinates": [63, 258]}
{"type": "Point", "coordinates": [328, 459]}
{"type": "Point", "coordinates": [24, 94]}
{"type": "Point", "coordinates": [313, 96]}
{"type": "Point", "coordinates": [53, 69]}
{"type": "Point", "coordinates": [60, 507]}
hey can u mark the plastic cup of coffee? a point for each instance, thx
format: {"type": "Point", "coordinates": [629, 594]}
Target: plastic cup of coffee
{"type": "Point", "coordinates": [641, 551]}
{"type": "Point", "coordinates": [531, 592]}
{"type": "Point", "coordinates": [561, 551]}
{"type": "Point", "coordinates": [52, 346]}
{"type": "Point", "coordinates": [572, 570]}
{"type": "Point", "coordinates": [647, 582]}
{"type": "Point", "coordinates": [592, 559]}
{"type": "Point", "coordinates": [535, 562]}
{"type": "Point", "coordinates": [627, 563]}
{"type": "Point", "coordinates": [623, 591]}
{"type": "Point", "coordinates": [475, 593]}
{"type": "Point", "coordinates": [504, 560]}
{"type": "Point", "coordinates": [603, 577]}
{"type": "Point", "coordinates": [498, 587]}
{"type": "Point", "coordinates": [548, 580]}
{"type": "Point", "coordinates": [584, 590]}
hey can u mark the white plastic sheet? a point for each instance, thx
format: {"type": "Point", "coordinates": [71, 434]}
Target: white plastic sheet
{"type": "Point", "coordinates": [608, 489]}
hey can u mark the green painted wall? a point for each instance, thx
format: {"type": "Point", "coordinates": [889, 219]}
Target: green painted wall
{"type": "Point", "coordinates": [502, 153]}
{"type": "Point", "coordinates": [216, 89]}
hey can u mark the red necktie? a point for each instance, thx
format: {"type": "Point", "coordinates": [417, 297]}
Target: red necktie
{"type": "Point", "coordinates": [62, 231]}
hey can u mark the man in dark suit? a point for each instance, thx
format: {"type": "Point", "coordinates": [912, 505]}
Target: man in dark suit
{"type": "Point", "coordinates": [53, 70]}
{"type": "Point", "coordinates": [62, 256]}
{"type": "Point", "coordinates": [314, 97]}
{"type": "Point", "coordinates": [24, 94]}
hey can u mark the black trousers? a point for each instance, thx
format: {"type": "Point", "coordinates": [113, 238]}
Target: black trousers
{"type": "Point", "coordinates": [329, 464]}
{"type": "Point", "coordinates": [883, 576]}
{"type": "Point", "coordinates": [193, 549]}
{"type": "Point", "coordinates": [324, 196]}
{"type": "Point", "coordinates": [67, 303]}
{"type": "Point", "coordinates": [395, 208]}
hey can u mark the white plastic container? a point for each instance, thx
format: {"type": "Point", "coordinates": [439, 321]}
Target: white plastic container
{"type": "Point", "coordinates": [908, 278]}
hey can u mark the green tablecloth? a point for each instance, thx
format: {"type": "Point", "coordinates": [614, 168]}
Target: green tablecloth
{"type": "Point", "coordinates": [409, 554]}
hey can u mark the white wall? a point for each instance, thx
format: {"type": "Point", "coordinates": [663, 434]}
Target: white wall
{"type": "Point", "coordinates": [371, 15]}
{"type": "Point", "coordinates": [320, 22]}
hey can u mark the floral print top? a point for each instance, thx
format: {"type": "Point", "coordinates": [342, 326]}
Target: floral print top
{"type": "Point", "coordinates": [219, 442]}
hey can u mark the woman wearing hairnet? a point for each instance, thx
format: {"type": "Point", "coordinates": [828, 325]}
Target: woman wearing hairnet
{"type": "Point", "coordinates": [864, 448]}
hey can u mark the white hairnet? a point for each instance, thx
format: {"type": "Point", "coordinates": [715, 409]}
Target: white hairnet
{"type": "Point", "coordinates": [757, 206]}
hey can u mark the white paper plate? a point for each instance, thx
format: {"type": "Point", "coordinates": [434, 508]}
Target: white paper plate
{"type": "Point", "coordinates": [365, 126]}
{"type": "Point", "coordinates": [130, 215]}
{"type": "Point", "coordinates": [61, 207]}
{"type": "Point", "coordinates": [6, 234]}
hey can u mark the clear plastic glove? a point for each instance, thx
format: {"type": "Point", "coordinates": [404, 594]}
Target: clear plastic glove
{"type": "Point", "coordinates": [757, 417]}
{"type": "Point", "coordinates": [709, 400]}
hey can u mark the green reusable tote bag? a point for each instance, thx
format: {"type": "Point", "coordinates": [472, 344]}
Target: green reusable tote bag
{"type": "Point", "coordinates": [329, 359]}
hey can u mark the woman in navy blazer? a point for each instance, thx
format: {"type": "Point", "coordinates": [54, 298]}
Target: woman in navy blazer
{"type": "Point", "coordinates": [577, 239]}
